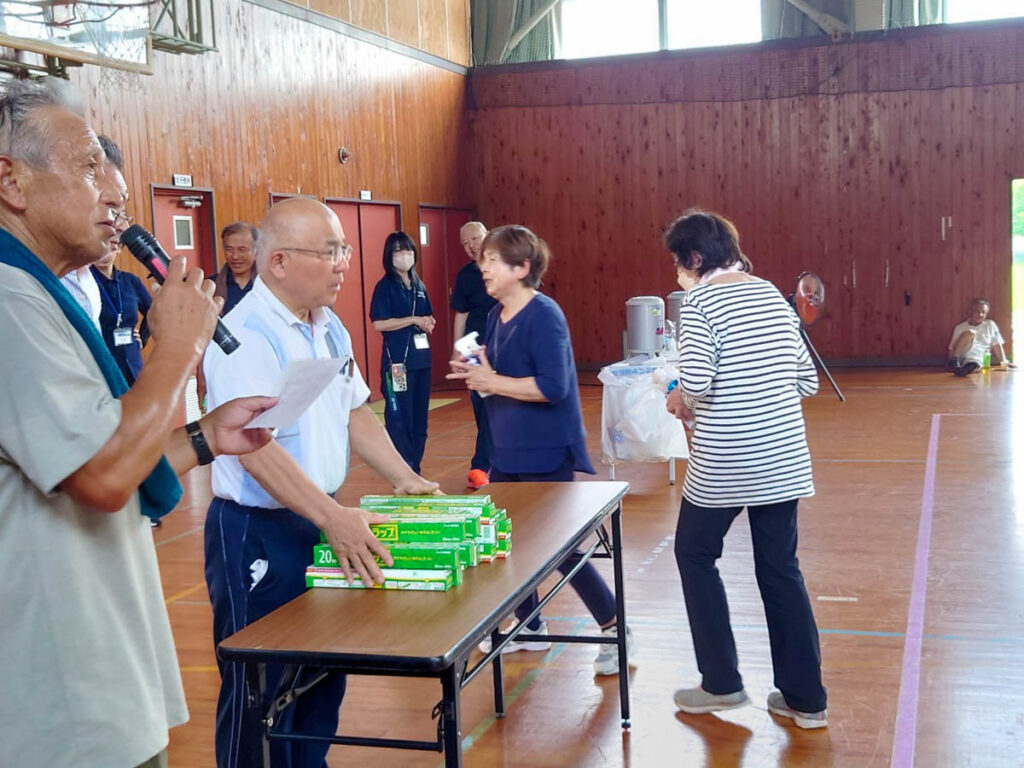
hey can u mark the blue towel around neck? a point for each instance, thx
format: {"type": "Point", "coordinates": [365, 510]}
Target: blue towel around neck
{"type": "Point", "coordinates": [160, 492]}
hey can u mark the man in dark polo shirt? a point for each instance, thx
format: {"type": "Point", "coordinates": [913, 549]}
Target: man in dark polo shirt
{"type": "Point", "coordinates": [239, 271]}
{"type": "Point", "coordinates": [471, 304]}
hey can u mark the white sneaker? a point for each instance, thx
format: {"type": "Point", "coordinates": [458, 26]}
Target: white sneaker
{"type": "Point", "coordinates": [777, 706]}
{"type": "Point", "coordinates": [607, 661]}
{"type": "Point", "coordinates": [527, 640]}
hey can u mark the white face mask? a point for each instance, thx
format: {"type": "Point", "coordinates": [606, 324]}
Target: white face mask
{"type": "Point", "coordinates": [404, 260]}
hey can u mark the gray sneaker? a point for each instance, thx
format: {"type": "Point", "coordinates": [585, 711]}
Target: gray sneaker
{"type": "Point", "coordinates": [697, 701]}
{"type": "Point", "coordinates": [777, 706]}
{"type": "Point", "coordinates": [527, 640]}
{"type": "Point", "coordinates": [607, 660]}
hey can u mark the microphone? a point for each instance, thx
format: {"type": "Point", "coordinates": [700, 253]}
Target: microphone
{"type": "Point", "coordinates": [147, 250]}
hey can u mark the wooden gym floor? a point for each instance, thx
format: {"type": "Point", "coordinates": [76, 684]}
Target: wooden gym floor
{"type": "Point", "coordinates": [913, 553]}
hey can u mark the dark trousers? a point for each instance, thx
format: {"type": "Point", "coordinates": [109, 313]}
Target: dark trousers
{"type": "Point", "coordinates": [587, 582]}
{"type": "Point", "coordinates": [482, 453]}
{"type": "Point", "coordinates": [796, 656]}
{"type": "Point", "coordinates": [255, 562]}
{"type": "Point", "coordinates": [406, 416]}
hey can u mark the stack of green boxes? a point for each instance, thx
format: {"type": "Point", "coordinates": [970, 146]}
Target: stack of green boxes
{"type": "Point", "coordinates": [432, 540]}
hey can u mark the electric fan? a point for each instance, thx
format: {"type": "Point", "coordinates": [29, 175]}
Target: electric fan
{"type": "Point", "coordinates": [808, 300]}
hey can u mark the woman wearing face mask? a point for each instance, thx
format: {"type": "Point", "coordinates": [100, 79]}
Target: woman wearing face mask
{"type": "Point", "coordinates": [743, 369]}
{"type": "Point", "coordinates": [401, 311]}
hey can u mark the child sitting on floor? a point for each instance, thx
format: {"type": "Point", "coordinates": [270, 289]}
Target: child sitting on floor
{"type": "Point", "coordinates": [973, 339]}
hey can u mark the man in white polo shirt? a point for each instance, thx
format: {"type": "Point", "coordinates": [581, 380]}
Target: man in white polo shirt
{"type": "Point", "coordinates": [269, 507]}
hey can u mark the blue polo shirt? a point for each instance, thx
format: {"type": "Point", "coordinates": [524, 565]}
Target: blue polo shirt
{"type": "Point", "coordinates": [392, 299]}
{"type": "Point", "coordinates": [124, 297]}
{"type": "Point", "coordinates": [470, 296]}
{"type": "Point", "coordinates": [269, 336]}
{"type": "Point", "coordinates": [535, 437]}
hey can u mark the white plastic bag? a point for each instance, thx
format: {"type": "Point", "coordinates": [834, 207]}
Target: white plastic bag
{"type": "Point", "coordinates": [635, 424]}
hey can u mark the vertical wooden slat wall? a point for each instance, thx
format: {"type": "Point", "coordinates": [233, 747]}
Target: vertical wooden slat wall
{"type": "Point", "coordinates": [838, 158]}
{"type": "Point", "coordinates": [269, 111]}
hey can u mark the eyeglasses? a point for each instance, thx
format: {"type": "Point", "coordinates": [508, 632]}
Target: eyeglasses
{"type": "Point", "coordinates": [123, 219]}
{"type": "Point", "coordinates": [332, 255]}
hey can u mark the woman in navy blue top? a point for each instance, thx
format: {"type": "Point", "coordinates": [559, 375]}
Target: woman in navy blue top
{"type": "Point", "coordinates": [123, 298]}
{"type": "Point", "coordinates": [528, 373]}
{"type": "Point", "coordinates": [401, 311]}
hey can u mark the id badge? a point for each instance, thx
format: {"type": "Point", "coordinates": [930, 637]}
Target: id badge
{"type": "Point", "coordinates": [399, 381]}
{"type": "Point", "coordinates": [420, 341]}
{"type": "Point", "coordinates": [123, 337]}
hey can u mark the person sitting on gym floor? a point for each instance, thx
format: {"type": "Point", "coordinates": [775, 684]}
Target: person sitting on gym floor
{"type": "Point", "coordinates": [973, 339]}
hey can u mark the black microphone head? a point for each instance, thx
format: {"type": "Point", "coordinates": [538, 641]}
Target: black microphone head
{"type": "Point", "coordinates": [133, 236]}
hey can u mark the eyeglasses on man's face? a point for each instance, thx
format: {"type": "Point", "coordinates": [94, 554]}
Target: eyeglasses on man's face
{"type": "Point", "coordinates": [333, 255]}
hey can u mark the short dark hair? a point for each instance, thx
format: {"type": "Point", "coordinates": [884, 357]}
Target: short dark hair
{"type": "Point", "coordinates": [400, 241]}
{"type": "Point", "coordinates": [709, 234]}
{"type": "Point", "coordinates": [240, 226]}
{"type": "Point", "coordinates": [976, 302]}
{"type": "Point", "coordinates": [112, 151]}
{"type": "Point", "coordinates": [517, 245]}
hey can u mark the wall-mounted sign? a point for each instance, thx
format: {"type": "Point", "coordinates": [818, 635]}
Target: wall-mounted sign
{"type": "Point", "coordinates": [182, 180]}
{"type": "Point", "coordinates": [365, 194]}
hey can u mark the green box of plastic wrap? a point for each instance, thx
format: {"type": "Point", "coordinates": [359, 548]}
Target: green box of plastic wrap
{"type": "Point", "coordinates": [412, 528]}
{"type": "Point", "coordinates": [471, 516]}
{"type": "Point", "coordinates": [394, 578]}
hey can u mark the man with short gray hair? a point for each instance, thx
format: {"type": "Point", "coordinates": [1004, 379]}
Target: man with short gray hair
{"type": "Point", "coordinates": [87, 659]}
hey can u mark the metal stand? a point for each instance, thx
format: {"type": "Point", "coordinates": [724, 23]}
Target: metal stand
{"type": "Point", "coordinates": [821, 364]}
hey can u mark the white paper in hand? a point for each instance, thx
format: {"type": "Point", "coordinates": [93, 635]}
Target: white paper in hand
{"type": "Point", "coordinates": [301, 384]}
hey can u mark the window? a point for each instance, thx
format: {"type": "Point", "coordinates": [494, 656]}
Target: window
{"type": "Point", "coordinates": [183, 240]}
{"type": "Point", "coordinates": [982, 10]}
{"type": "Point", "coordinates": [698, 23]}
{"type": "Point", "coordinates": [608, 27]}
{"type": "Point", "coordinates": [611, 27]}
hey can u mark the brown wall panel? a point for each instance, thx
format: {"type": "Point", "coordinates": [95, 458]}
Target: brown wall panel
{"type": "Point", "coordinates": [842, 159]}
{"type": "Point", "coordinates": [404, 21]}
{"type": "Point", "coordinates": [371, 15]}
{"type": "Point", "coordinates": [246, 130]}
{"type": "Point", "coordinates": [458, 31]}
{"type": "Point", "coordinates": [338, 9]}
{"type": "Point", "coordinates": [434, 27]}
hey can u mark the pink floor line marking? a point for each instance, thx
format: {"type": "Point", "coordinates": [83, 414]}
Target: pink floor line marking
{"type": "Point", "coordinates": [910, 678]}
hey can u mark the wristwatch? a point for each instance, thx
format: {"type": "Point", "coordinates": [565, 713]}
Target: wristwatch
{"type": "Point", "coordinates": [199, 444]}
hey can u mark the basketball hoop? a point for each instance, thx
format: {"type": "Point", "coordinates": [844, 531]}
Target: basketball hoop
{"type": "Point", "coordinates": [119, 33]}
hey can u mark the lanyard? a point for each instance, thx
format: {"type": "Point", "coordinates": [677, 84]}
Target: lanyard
{"type": "Point", "coordinates": [408, 339]}
{"type": "Point", "coordinates": [110, 301]}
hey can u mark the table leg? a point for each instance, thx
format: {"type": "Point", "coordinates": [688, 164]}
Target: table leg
{"type": "Point", "coordinates": [499, 680]}
{"type": "Point", "coordinates": [256, 683]}
{"type": "Point", "coordinates": [611, 471]}
{"type": "Point", "coordinates": [671, 470]}
{"type": "Point", "coordinates": [450, 717]}
{"type": "Point", "coordinates": [620, 615]}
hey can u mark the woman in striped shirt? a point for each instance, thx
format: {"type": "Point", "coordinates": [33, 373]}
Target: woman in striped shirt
{"type": "Point", "coordinates": [743, 370]}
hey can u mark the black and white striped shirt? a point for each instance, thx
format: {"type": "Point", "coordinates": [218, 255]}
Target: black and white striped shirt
{"type": "Point", "coordinates": [742, 356]}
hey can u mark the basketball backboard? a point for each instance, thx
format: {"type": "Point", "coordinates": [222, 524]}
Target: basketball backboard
{"type": "Point", "coordinates": [112, 34]}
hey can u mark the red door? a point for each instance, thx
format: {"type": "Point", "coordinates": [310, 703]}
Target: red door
{"type": "Point", "coordinates": [349, 305]}
{"type": "Point", "coordinates": [376, 222]}
{"type": "Point", "coordinates": [183, 224]}
{"type": "Point", "coordinates": [433, 270]}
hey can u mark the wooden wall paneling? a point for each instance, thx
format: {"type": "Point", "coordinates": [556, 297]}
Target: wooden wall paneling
{"type": "Point", "coordinates": [339, 9]}
{"type": "Point", "coordinates": [458, 32]}
{"type": "Point", "coordinates": [433, 21]}
{"type": "Point", "coordinates": [371, 15]}
{"type": "Point", "coordinates": [404, 21]}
